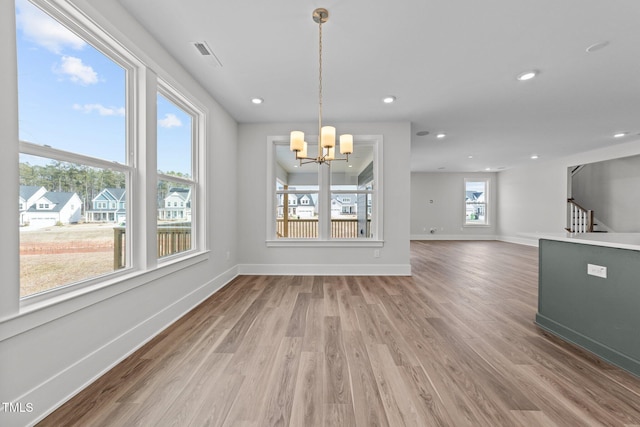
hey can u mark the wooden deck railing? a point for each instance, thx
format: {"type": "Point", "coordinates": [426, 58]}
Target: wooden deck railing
{"type": "Point", "coordinates": [119, 247]}
{"type": "Point", "coordinates": [308, 229]}
{"type": "Point", "coordinates": [298, 228]}
{"type": "Point", "coordinates": [171, 240]}
{"type": "Point", "coordinates": [177, 238]}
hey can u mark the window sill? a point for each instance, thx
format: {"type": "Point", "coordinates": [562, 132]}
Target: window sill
{"type": "Point", "coordinates": [336, 243]}
{"type": "Point", "coordinates": [477, 225]}
{"type": "Point", "coordinates": [117, 283]}
{"type": "Point", "coordinates": [39, 309]}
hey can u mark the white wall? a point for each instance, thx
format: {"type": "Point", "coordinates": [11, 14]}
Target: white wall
{"type": "Point", "coordinates": [437, 201]}
{"type": "Point", "coordinates": [256, 257]}
{"type": "Point", "coordinates": [610, 188]}
{"type": "Point", "coordinates": [533, 199]}
{"type": "Point", "coordinates": [49, 351]}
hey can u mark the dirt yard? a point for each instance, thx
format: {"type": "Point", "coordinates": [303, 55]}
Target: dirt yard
{"type": "Point", "coordinates": [55, 256]}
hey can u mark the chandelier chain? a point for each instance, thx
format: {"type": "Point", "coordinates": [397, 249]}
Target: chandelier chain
{"type": "Point", "coordinates": [319, 86]}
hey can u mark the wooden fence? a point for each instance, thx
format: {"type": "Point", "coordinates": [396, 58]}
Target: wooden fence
{"type": "Point", "coordinates": [308, 229]}
{"type": "Point", "coordinates": [171, 240]}
{"type": "Point", "coordinates": [177, 238]}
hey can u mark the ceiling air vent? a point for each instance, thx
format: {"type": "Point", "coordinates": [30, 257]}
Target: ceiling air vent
{"type": "Point", "coordinates": [202, 48]}
{"type": "Point", "coordinates": [206, 51]}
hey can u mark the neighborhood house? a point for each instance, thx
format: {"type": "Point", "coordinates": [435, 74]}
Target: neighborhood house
{"type": "Point", "coordinates": [41, 208]}
{"type": "Point", "coordinates": [108, 206]}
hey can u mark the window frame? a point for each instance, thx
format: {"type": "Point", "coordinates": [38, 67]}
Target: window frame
{"type": "Point", "coordinates": [377, 222]}
{"type": "Point", "coordinates": [487, 203]}
{"type": "Point", "coordinates": [141, 87]}
{"type": "Point", "coordinates": [198, 117]}
{"type": "Point", "coordinates": [77, 23]}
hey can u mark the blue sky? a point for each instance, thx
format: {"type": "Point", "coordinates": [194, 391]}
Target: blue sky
{"type": "Point", "coordinates": [477, 186]}
{"type": "Point", "coordinates": [72, 97]}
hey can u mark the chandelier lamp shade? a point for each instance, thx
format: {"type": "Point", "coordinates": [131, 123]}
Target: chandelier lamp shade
{"type": "Point", "coordinates": [326, 134]}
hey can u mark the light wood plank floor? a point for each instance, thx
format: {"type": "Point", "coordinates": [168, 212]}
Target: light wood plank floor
{"type": "Point", "coordinates": [454, 345]}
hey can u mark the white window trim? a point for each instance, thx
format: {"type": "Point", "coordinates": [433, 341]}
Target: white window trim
{"type": "Point", "coordinates": [487, 202]}
{"type": "Point", "coordinates": [377, 223]}
{"type": "Point", "coordinates": [143, 85]}
{"type": "Point", "coordinates": [198, 136]}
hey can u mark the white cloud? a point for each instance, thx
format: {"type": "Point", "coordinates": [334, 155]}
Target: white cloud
{"type": "Point", "coordinates": [101, 109]}
{"type": "Point", "coordinates": [41, 29]}
{"type": "Point", "coordinates": [170, 121]}
{"type": "Point", "coordinates": [77, 71]}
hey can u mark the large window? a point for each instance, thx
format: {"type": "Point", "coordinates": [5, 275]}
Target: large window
{"type": "Point", "coordinates": [297, 192]}
{"type": "Point", "coordinates": [476, 201]}
{"type": "Point", "coordinates": [352, 192]}
{"type": "Point", "coordinates": [84, 141]}
{"type": "Point", "coordinates": [73, 144]}
{"type": "Point", "coordinates": [336, 202]}
{"type": "Point", "coordinates": [177, 132]}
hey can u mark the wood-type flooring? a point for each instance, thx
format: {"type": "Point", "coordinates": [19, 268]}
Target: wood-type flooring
{"type": "Point", "coordinates": [453, 345]}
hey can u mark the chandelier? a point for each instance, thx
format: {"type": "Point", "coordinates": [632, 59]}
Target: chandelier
{"type": "Point", "coordinates": [326, 134]}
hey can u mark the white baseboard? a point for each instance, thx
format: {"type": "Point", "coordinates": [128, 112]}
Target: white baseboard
{"type": "Point", "coordinates": [527, 240]}
{"type": "Point", "coordinates": [520, 240]}
{"type": "Point", "coordinates": [453, 237]}
{"type": "Point", "coordinates": [325, 269]}
{"type": "Point", "coordinates": [65, 384]}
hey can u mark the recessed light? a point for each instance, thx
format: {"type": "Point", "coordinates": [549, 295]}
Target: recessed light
{"type": "Point", "coordinates": [441, 135]}
{"type": "Point", "coordinates": [527, 75]}
{"type": "Point", "coordinates": [350, 166]}
{"type": "Point", "coordinates": [470, 157]}
{"type": "Point", "coordinates": [620, 134]}
{"type": "Point", "coordinates": [534, 157]}
{"type": "Point", "coordinates": [257, 101]}
{"type": "Point", "coordinates": [422, 133]}
{"type": "Point", "coordinates": [597, 46]}
{"type": "Point", "coordinates": [389, 99]}
{"type": "Point", "coordinates": [487, 169]}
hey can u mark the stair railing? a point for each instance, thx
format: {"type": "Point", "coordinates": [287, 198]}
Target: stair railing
{"type": "Point", "coordinates": [580, 219]}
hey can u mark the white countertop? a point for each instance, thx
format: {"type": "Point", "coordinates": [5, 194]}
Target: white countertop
{"type": "Point", "coordinates": [612, 240]}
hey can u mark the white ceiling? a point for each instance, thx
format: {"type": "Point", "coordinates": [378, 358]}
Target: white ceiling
{"type": "Point", "coordinates": [451, 64]}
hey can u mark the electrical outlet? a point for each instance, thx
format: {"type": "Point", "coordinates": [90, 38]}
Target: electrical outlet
{"type": "Point", "coordinates": [228, 255]}
{"type": "Point", "coordinates": [376, 253]}
{"type": "Point", "coordinates": [597, 270]}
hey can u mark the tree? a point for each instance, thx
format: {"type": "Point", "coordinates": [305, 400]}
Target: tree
{"type": "Point", "coordinates": [83, 180]}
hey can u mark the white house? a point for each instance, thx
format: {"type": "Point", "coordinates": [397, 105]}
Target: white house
{"type": "Point", "coordinates": [306, 207]}
{"type": "Point", "coordinates": [28, 196]}
{"type": "Point", "coordinates": [54, 207]}
{"type": "Point", "coordinates": [475, 202]}
{"type": "Point", "coordinates": [177, 205]}
{"type": "Point", "coordinates": [344, 205]}
{"type": "Point", "coordinates": [300, 206]}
